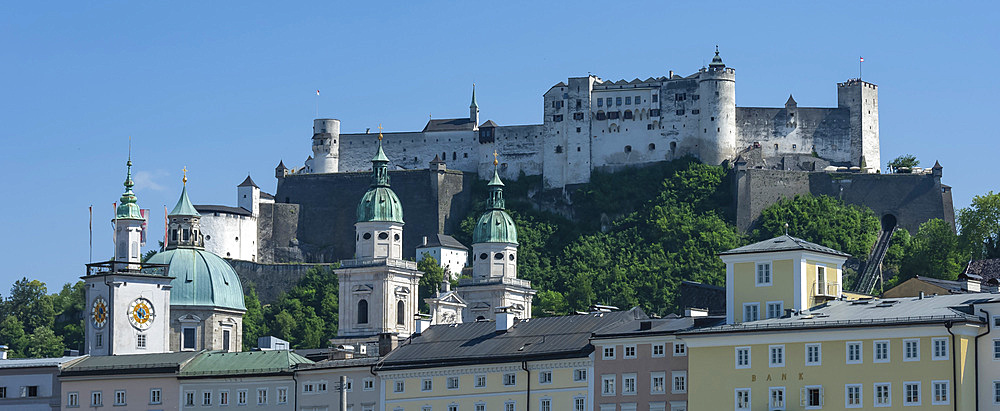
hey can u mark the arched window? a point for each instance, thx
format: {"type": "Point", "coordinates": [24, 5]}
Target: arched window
{"type": "Point", "coordinates": [628, 149]}
{"type": "Point", "coordinates": [400, 313]}
{"type": "Point", "coordinates": [363, 311]}
{"type": "Point", "coordinates": [627, 115]}
{"type": "Point", "coordinates": [558, 149]}
{"type": "Point", "coordinates": [652, 146]}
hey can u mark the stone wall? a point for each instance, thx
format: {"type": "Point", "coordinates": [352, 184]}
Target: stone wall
{"type": "Point", "coordinates": [827, 131]}
{"type": "Point", "coordinates": [270, 280]}
{"type": "Point", "coordinates": [277, 230]}
{"type": "Point", "coordinates": [911, 198]}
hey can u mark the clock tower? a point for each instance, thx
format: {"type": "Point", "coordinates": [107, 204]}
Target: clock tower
{"type": "Point", "coordinates": [127, 301]}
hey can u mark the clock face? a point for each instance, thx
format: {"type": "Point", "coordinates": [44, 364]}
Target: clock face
{"type": "Point", "coordinates": [140, 313]}
{"type": "Point", "coordinates": [99, 312]}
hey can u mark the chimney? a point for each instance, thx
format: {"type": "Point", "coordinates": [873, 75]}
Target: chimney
{"type": "Point", "coordinates": [972, 284]}
{"type": "Point", "coordinates": [422, 325]}
{"type": "Point", "coordinates": [695, 312]}
{"type": "Point", "coordinates": [3, 352]}
{"type": "Point", "coordinates": [645, 325]}
{"type": "Point", "coordinates": [386, 343]}
{"type": "Point", "coordinates": [505, 320]}
{"type": "Point", "coordinates": [671, 76]}
{"type": "Point", "coordinates": [424, 241]}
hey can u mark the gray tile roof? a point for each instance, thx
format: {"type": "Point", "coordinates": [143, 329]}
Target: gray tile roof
{"type": "Point", "coordinates": [346, 363]}
{"type": "Point", "coordinates": [442, 240]}
{"type": "Point", "coordinates": [36, 362]}
{"type": "Point", "coordinates": [988, 269]}
{"type": "Point", "coordinates": [135, 363]}
{"type": "Point", "coordinates": [783, 243]}
{"type": "Point", "coordinates": [657, 326]}
{"type": "Point", "coordinates": [869, 313]}
{"type": "Point", "coordinates": [248, 182]}
{"type": "Point", "coordinates": [479, 342]}
{"type": "Point", "coordinates": [208, 208]}
{"type": "Point", "coordinates": [449, 124]}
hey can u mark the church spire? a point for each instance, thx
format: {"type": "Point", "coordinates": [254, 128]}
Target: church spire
{"type": "Point", "coordinates": [495, 201]}
{"type": "Point", "coordinates": [380, 165]}
{"type": "Point", "coordinates": [128, 209]}
{"type": "Point", "coordinates": [474, 103]}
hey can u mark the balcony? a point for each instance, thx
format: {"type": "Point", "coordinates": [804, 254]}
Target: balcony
{"type": "Point", "coordinates": [517, 282]}
{"type": "Point", "coordinates": [121, 267]}
{"type": "Point", "coordinates": [374, 262]}
{"type": "Point", "coordinates": [825, 289]}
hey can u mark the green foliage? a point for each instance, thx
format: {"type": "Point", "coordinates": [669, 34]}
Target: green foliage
{"type": "Point", "coordinates": [253, 319]}
{"type": "Point", "coordinates": [69, 308]}
{"type": "Point", "coordinates": [905, 160]}
{"type": "Point", "coordinates": [306, 316]}
{"type": "Point", "coordinates": [30, 303]}
{"type": "Point", "coordinates": [896, 253]}
{"type": "Point", "coordinates": [980, 225]}
{"type": "Point", "coordinates": [431, 281]}
{"type": "Point", "coordinates": [550, 303]}
{"type": "Point", "coordinates": [934, 252]}
{"type": "Point", "coordinates": [13, 336]}
{"type": "Point", "coordinates": [822, 220]}
{"type": "Point", "coordinates": [43, 342]}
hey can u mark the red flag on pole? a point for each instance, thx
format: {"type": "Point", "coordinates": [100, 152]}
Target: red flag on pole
{"type": "Point", "coordinates": [862, 59]}
{"type": "Point", "coordinates": [317, 92]}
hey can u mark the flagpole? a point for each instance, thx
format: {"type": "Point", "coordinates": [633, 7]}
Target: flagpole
{"type": "Point", "coordinates": [91, 227]}
{"type": "Point", "coordinates": [861, 60]}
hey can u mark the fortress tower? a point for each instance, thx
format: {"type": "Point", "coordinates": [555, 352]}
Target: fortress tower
{"type": "Point", "coordinates": [566, 151]}
{"type": "Point", "coordinates": [717, 89]}
{"type": "Point", "coordinates": [325, 147]}
{"type": "Point", "coordinates": [861, 98]}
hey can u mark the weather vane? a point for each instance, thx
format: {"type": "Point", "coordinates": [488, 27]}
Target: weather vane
{"type": "Point", "coordinates": [379, 131]}
{"type": "Point", "coordinates": [185, 171]}
{"type": "Point", "coordinates": [495, 158]}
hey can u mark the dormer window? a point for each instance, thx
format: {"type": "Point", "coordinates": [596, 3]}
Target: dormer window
{"type": "Point", "coordinates": [763, 274]}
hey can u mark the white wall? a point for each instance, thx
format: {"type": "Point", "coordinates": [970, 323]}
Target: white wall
{"type": "Point", "coordinates": [230, 235]}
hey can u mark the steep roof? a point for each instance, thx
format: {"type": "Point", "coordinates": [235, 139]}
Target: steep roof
{"type": "Point", "coordinates": [869, 313]}
{"type": "Point", "coordinates": [988, 269]}
{"type": "Point", "coordinates": [248, 182]}
{"type": "Point", "coordinates": [243, 363]}
{"type": "Point", "coordinates": [449, 124]}
{"type": "Point", "coordinates": [480, 343]}
{"type": "Point", "coordinates": [783, 243]}
{"type": "Point", "coordinates": [184, 206]}
{"type": "Point", "coordinates": [443, 240]}
{"type": "Point", "coordinates": [488, 124]}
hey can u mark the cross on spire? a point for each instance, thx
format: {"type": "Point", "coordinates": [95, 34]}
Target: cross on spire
{"type": "Point", "coordinates": [185, 171]}
{"type": "Point", "coordinates": [379, 131]}
{"type": "Point", "coordinates": [496, 160]}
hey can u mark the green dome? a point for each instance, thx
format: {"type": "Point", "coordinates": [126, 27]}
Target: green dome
{"type": "Point", "coordinates": [201, 279]}
{"type": "Point", "coordinates": [495, 226]}
{"type": "Point", "coordinates": [380, 204]}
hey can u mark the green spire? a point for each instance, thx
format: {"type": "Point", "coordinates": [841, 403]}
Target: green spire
{"type": "Point", "coordinates": [474, 103]}
{"type": "Point", "coordinates": [380, 165]}
{"type": "Point", "coordinates": [495, 201]}
{"type": "Point", "coordinates": [379, 203]}
{"type": "Point", "coordinates": [184, 206]}
{"type": "Point", "coordinates": [495, 225]}
{"type": "Point", "coordinates": [128, 209]}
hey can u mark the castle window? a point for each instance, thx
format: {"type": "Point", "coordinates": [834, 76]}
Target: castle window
{"type": "Point", "coordinates": [558, 149]}
{"type": "Point", "coordinates": [794, 146]}
{"type": "Point", "coordinates": [600, 102]}
{"type": "Point", "coordinates": [465, 155]}
{"type": "Point", "coordinates": [618, 101]}
{"type": "Point", "coordinates": [713, 118]}
{"type": "Point", "coordinates": [444, 156]}
{"type": "Point", "coordinates": [185, 234]}
{"type": "Point", "coordinates": [654, 112]}
{"type": "Point", "coordinates": [628, 114]}
{"type": "Point", "coordinates": [188, 341]}
{"type": "Point", "coordinates": [656, 97]}
{"type": "Point", "coordinates": [652, 146]}
{"type": "Point", "coordinates": [649, 126]}
{"type": "Point", "coordinates": [680, 97]}
{"type": "Point", "coordinates": [140, 341]}
{"type": "Point", "coordinates": [680, 112]}
{"type": "Point", "coordinates": [628, 149]}
{"type": "Point", "coordinates": [578, 116]}
{"type": "Point", "coordinates": [628, 100]}
{"type": "Point", "coordinates": [608, 100]}
{"type": "Point", "coordinates": [454, 155]}
{"type": "Point", "coordinates": [601, 116]}
{"type": "Point", "coordinates": [557, 118]}
{"type": "Point", "coordinates": [498, 256]}
{"type": "Point", "coordinates": [578, 129]}
{"type": "Point", "coordinates": [578, 149]}
{"type": "Point", "coordinates": [673, 145]}
{"type": "Point", "coordinates": [613, 115]}
{"type": "Point", "coordinates": [363, 311]}
{"type": "Point", "coordinates": [775, 146]}
{"type": "Point", "coordinates": [395, 237]}
{"type": "Point", "coordinates": [695, 97]}
{"type": "Point", "coordinates": [579, 103]}
{"type": "Point", "coordinates": [638, 99]}
{"type": "Point", "coordinates": [695, 111]}
{"type": "Point", "coordinates": [511, 257]}
{"type": "Point", "coordinates": [400, 313]}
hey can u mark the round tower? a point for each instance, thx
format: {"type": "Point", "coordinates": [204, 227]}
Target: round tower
{"type": "Point", "coordinates": [717, 90]}
{"type": "Point", "coordinates": [326, 145]}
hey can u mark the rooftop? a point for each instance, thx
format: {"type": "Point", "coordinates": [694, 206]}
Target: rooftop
{"type": "Point", "coordinates": [36, 362]}
{"type": "Point", "coordinates": [988, 269]}
{"type": "Point", "coordinates": [136, 363]}
{"type": "Point", "coordinates": [449, 124]}
{"type": "Point", "coordinates": [243, 363]}
{"type": "Point", "coordinates": [208, 208]}
{"type": "Point", "coordinates": [657, 326]}
{"type": "Point", "coordinates": [443, 240]}
{"type": "Point", "coordinates": [783, 243]}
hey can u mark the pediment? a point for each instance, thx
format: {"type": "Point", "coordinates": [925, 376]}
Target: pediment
{"type": "Point", "coordinates": [363, 289]}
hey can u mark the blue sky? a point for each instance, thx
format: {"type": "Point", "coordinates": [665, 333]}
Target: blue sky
{"type": "Point", "coordinates": [227, 88]}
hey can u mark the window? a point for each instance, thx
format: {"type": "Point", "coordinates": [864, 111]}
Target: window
{"type": "Point", "coordinates": [261, 396]}
{"type": "Point", "coordinates": [776, 398]}
{"type": "Point", "coordinates": [73, 399]}
{"type": "Point", "coordinates": [911, 350]}
{"type": "Point", "coordinates": [679, 112]}
{"type": "Point", "coordinates": [679, 385]}
{"type": "Point", "coordinates": [628, 384]}
{"type": "Point", "coordinates": [742, 357]}
{"type": "Point", "coordinates": [775, 308]}
{"type": "Point", "coordinates": [188, 338]}
{"type": "Point", "coordinates": [618, 101]}
{"type": "Point", "coordinates": [940, 349]}
{"type": "Point", "coordinates": [777, 356]}
{"type": "Point", "coordinates": [638, 99]}
{"type": "Point", "coordinates": [452, 383]}
{"type": "Point", "coordinates": [814, 354]}
{"type": "Point", "coordinates": [608, 101]}
{"type": "Point", "coordinates": [629, 351]}
{"type": "Point", "coordinates": [751, 312]}
{"type": "Point", "coordinates": [363, 311]}
{"type": "Point", "coordinates": [657, 383]}
{"type": "Point", "coordinates": [883, 395]}
{"type": "Point", "coordinates": [508, 406]}
{"type": "Point", "coordinates": [400, 313]}
{"type": "Point", "coordinates": [680, 349]}
{"type": "Point", "coordinates": [680, 97]}
{"type": "Point", "coordinates": [852, 396]}
{"type": "Point", "coordinates": [764, 274]}
{"type": "Point", "coordinates": [29, 391]}
{"type": "Point", "coordinates": [881, 351]}
{"type": "Point", "coordinates": [398, 386]}
{"type": "Point", "coordinates": [628, 100]}
{"type": "Point", "coordinates": [140, 341]}
{"type": "Point", "coordinates": [940, 390]}
{"type": "Point", "coordinates": [996, 392]}
{"type": "Point", "coordinates": [656, 98]}
{"type": "Point", "coordinates": [282, 395]}
{"type": "Point", "coordinates": [695, 111]}
{"type": "Point", "coordinates": [480, 381]}
{"type": "Point", "coordinates": [579, 374]}
{"type": "Point", "coordinates": [509, 379]}
{"type": "Point", "coordinates": [579, 403]}
{"type": "Point", "coordinates": [609, 352]}
{"type": "Point", "coordinates": [996, 350]}
{"type": "Point", "coordinates": [96, 399]}
{"type": "Point", "coordinates": [368, 384]}
{"type": "Point", "coordinates": [742, 398]}
{"type": "Point", "coordinates": [99, 340]}
{"type": "Point", "coordinates": [654, 112]}
{"type": "Point", "coordinates": [545, 377]}
{"type": "Point", "coordinates": [812, 397]}
{"type": "Point", "coordinates": [854, 352]}
{"type": "Point", "coordinates": [223, 397]}
{"type": "Point", "coordinates": [226, 337]}
{"type": "Point", "coordinates": [206, 398]}
{"type": "Point", "coordinates": [911, 393]}
{"type": "Point", "coordinates": [577, 116]}
{"type": "Point", "coordinates": [241, 397]}
{"type": "Point", "coordinates": [628, 149]}
{"type": "Point", "coordinates": [600, 102]}
{"type": "Point", "coordinates": [155, 396]}
{"type": "Point", "coordinates": [480, 407]}
{"type": "Point", "coordinates": [607, 385]}
{"type": "Point", "coordinates": [545, 404]}
{"type": "Point", "coordinates": [452, 407]}
{"type": "Point", "coordinates": [658, 350]}
{"type": "Point", "coordinates": [557, 118]}
{"type": "Point", "coordinates": [613, 115]}
{"type": "Point", "coordinates": [427, 385]}
{"type": "Point", "coordinates": [120, 397]}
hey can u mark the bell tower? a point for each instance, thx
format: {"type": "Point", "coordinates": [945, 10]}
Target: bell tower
{"type": "Point", "coordinates": [127, 301]}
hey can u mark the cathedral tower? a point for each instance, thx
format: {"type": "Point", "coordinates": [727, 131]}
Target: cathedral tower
{"type": "Point", "coordinates": [717, 131]}
{"type": "Point", "coordinates": [326, 148]}
{"type": "Point", "coordinates": [494, 284]}
{"type": "Point", "coordinates": [127, 300]}
{"type": "Point", "coordinates": [378, 289]}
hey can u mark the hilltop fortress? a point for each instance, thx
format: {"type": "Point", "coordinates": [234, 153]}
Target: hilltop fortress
{"type": "Point", "coordinates": [590, 123]}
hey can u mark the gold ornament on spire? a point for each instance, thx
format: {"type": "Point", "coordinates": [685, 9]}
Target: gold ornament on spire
{"type": "Point", "coordinates": [496, 160]}
{"type": "Point", "coordinates": [379, 131]}
{"type": "Point", "coordinates": [185, 179]}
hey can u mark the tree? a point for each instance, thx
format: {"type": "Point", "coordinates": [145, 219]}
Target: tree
{"type": "Point", "coordinates": [980, 226]}
{"type": "Point", "coordinates": [934, 252]}
{"type": "Point", "coordinates": [253, 319]}
{"type": "Point", "coordinates": [905, 160]}
{"type": "Point", "coordinates": [822, 220]}
{"type": "Point", "coordinates": [549, 303]}
{"type": "Point", "coordinates": [30, 303]}
{"type": "Point", "coordinates": [44, 343]}
{"type": "Point", "coordinates": [431, 280]}
{"type": "Point", "coordinates": [12, 334]}
{"type": "Point", "coordinates": [69, 308]}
